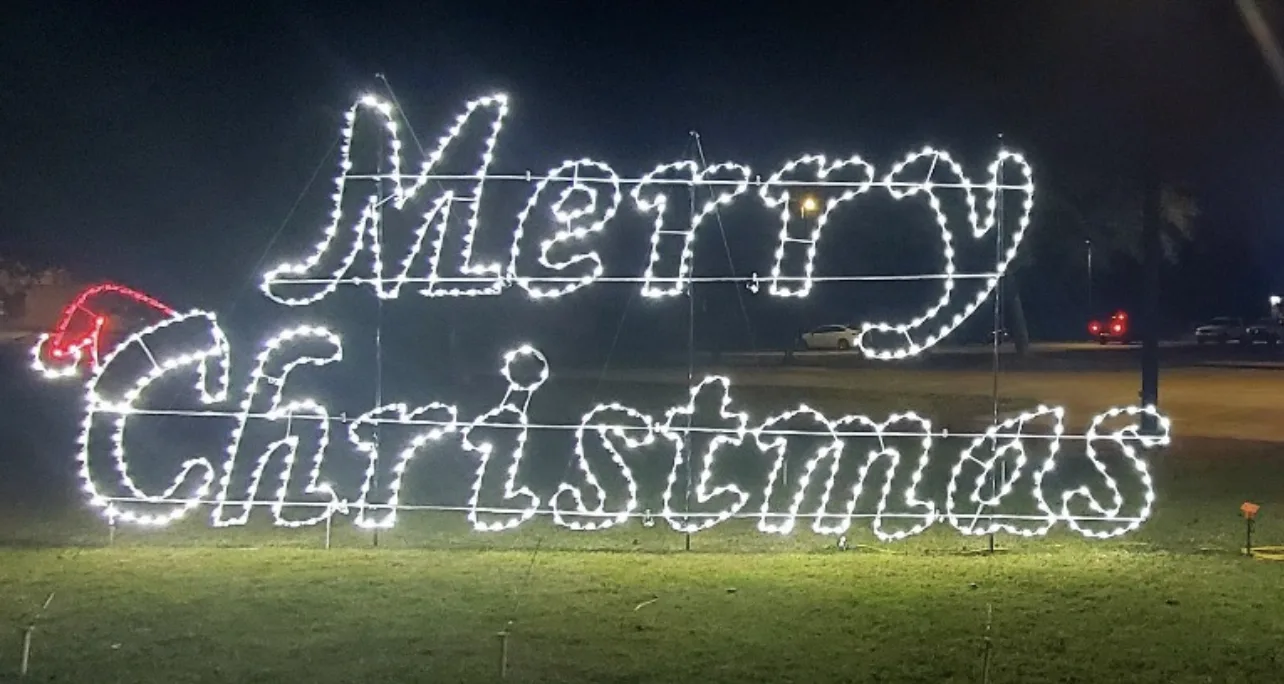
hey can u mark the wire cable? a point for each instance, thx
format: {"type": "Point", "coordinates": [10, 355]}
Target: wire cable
{"type": "Point", "coordinates": [106, 409]}
{"type": "Point", "coordinates": [726, 246]}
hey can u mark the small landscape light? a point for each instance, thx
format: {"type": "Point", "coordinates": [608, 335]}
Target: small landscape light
{"type": "Point", "coordinates": [1249, 510]}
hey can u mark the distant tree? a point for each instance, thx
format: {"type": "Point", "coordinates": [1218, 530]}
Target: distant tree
{"type": "Point", "coordinates": [17, 279]}
{"type": "Point", "coordinates": [1110, 218]}
{"type": "Point", "coordinates": [1113, 221]}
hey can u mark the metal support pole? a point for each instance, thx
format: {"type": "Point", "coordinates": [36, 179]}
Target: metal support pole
{"type": "Point", "coordinates": [1091, 313]}
{"type": "Point", "coordinates": [690, 380]}
{"type": "Point", "coordinates": [503, 651]}
{"type": "Point", "coordinates": [1150, 247]}
{"type": "Point", "coordinates": [998, 325]}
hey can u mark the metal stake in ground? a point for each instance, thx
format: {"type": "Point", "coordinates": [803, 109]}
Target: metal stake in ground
{"type": "Point", "coordinates": [328, 526]}
{"type": "Point", "coordinates": [502, 635]}
{"type": "Point", "coordinates": [27, 634]}
{"type": "Point", "coordinates": [989, 644]}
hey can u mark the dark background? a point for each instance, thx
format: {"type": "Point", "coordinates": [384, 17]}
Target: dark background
{"type": "Point", "coordinates": [163, 145]}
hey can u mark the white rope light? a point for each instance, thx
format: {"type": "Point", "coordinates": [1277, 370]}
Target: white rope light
{"type": "Point", "coordinates": [570, 221]}
{"type": "Point", "coordinates": [832, 453]}
{"type": "Point", "coordinates": [381, 488]}
{"type": "Point", "coordinates": [670, 430]}
{"type": "Point", "coordinates": [995, 469]}
{"type": "Point", "coordinates": [651, 197]}
{"type": "Point", "coordinates": [1124, 438]}
{"type": "Point", "coordinates": [591, 195]}
{"type": "Point", "coordinates": [598, 517]}
{"type": "Point", "coordinates": [488, 277]}
{"type": "Point", "coordinates": [775, 194]}
{"type": "Point", "coordinates": [831, 449]}
{"type": "Point", "coordinates": [833, 470]}
{"type": "Point", "coordinates": [276, 361]}
{"type": "Point", "coordinates": [70, 365]}
{"type": "Point", "coordinates": [194, 474]}
{"type": "Point", "coordinates": [916, 340]}
{"type": "Point", "coordinates": [517, 398]}
{"type": "Point", "coordinates": [1009, 432]}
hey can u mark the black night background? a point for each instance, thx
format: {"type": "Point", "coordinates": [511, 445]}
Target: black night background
{"type": "Point", "coordinates": [165, 146]}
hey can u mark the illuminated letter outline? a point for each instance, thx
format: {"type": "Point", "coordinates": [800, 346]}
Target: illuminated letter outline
{"type": "Point", "coordinates": [780, 198]}
{"type": "Point", "coordinates": [678, 435]}
{"type": "Point", "coordinates": [1120, 438]}
{"type": "Point", "coordinates": [276, 412]}
{"type": "Point", "coordinates": [571, 232]}
{"type": "Point", "coordinates": [368, 225]}
{"type": "Point", "coordinates": [484, 449]}
{"type": "Point", "coordinates": [912, 347]}
{"type": "Point", "coordinates": [658, 206]}
{"type": "Point", "coordinates": [1012, 442]}
{"type": "Point", "coordinates": [640, 431]}
{"type": "Point", "coordinates": [730, 180]}
{"type": "Point", "coordinates": [404, 416]}
{"type": "Point", "coordinates": [604, 432]}
{"type": "Point", "coordinates": [217, 352]}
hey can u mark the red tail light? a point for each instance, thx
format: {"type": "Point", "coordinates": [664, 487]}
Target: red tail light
{"type": "Point", "coordinates": [1094, 327]}
{"type": "Point", "coordinates": [1117, 328]}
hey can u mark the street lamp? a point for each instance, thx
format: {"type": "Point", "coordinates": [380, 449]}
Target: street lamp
{"type": "Point", "coordinates": [1089, 244]}
{"type": "Point", "coordinates": [808, 204]}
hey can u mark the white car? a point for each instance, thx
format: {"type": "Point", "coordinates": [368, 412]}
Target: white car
{"type": "Point", "coordinates": [1222, 330]}
{"type": "Point", "coordinates": [831, 337]}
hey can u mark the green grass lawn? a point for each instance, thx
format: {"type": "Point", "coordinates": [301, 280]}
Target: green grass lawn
{"type": "Point", "coordinates": [1172, 603]}
{"type": "Point", "coordinates": [359, 615]}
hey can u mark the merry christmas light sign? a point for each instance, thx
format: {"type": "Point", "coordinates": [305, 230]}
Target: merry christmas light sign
{"type": "Point", "coordinates": [303, 463]}
{"type": "Point", "coordinates": [576, 201]}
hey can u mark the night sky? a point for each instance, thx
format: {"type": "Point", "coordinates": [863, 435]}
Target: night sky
{"type": "Point", "coordinates": [164, 147]}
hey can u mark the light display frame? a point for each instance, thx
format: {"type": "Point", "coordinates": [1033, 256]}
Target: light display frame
{"type": "Point", "coordinates": [855, 452]}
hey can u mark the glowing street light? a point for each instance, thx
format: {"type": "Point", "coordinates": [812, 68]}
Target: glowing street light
{"type": "Point", "coordinates": [809, 204]}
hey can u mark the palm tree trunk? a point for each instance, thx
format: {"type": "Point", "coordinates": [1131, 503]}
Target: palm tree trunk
{"type": "Point", "coordinates": [1150, 251]}
{"type": "Point", "coordinates": [1020, 330]}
